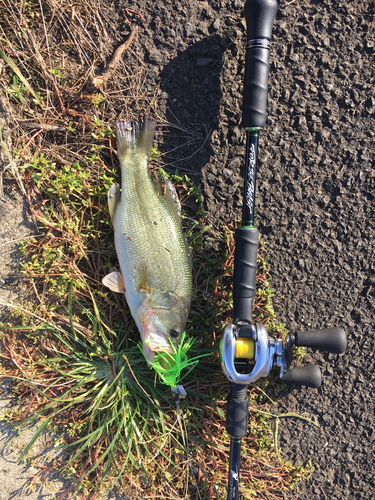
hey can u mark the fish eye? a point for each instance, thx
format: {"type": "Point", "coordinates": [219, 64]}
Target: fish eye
{"type": "Point", "coordinates": [173, 333]}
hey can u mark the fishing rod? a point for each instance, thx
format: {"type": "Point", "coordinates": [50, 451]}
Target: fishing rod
{"type": "Point", "coordinates": [247, 352]}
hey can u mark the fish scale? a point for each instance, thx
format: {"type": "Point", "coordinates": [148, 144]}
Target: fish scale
{"type": "Point", "coordinates": [141, 238]}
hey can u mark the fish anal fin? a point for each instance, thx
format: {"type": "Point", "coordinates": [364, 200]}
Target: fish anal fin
{"type": "Point", "coordinates": [165, 188]}
{"type": "Point", "coordinates": [114, 196]}
{"type": "Point", "coordinates": [115, 282]}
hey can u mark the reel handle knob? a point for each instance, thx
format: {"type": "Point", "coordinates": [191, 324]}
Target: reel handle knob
{"type": "Point", "coordinates": [309, 376]}
{"type": "Point", "coordinates": [330, 340]}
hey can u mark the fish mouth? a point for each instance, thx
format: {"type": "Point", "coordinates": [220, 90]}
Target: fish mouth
{"type": "Point", "coordinates": [153, 338]}
{"type": "Point", "coordinates": [154, 341]}
{"type": "Point", "coordinates": [149, 355]}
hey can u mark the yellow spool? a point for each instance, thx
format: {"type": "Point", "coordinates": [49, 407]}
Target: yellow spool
{"type": "Point", "coordinates": [245, 348]}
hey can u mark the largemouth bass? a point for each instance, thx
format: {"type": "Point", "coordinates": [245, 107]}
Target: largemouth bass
{"type": "Point", "coordinates": [151, 247]}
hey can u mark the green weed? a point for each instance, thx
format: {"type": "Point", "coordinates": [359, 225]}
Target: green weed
{"type": "Point", "coordinates": [17, 89]}
{"type": "Point", "coordinates": [85, 386]}
{"type": "Point", "coordinates": [60, 182]}
{"type": "Point", "coordinates": [19, 82]}
{"type": "Point", "coordinates": [97, 99]}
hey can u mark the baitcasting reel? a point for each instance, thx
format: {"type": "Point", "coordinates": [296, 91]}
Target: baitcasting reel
{"type": "Point", "coordinates": [247, 353]}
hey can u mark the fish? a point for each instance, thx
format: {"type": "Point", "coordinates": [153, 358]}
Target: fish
{"type": "Point", "coordinates": [155, 262]}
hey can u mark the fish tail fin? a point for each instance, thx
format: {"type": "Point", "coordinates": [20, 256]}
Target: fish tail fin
{"type": "Point", "coordinates": [135, 135]}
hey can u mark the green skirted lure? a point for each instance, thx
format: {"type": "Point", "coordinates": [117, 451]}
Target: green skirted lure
{"type": "Point", "coordinates": [169, 366]}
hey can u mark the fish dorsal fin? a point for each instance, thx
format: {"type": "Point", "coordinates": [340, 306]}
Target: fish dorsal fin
{"type": "Point", "coordinates": [115, 282]}
{"type": "Point", "coordinates": [165, 188]}
{"type": "Point", "coordinates": [114, 196]}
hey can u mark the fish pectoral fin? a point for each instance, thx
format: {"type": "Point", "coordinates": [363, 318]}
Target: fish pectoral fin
{"type": "Point", "coordinates": [115, 282]}
{"type": "Point", "coordinates": [165, 188]}
{"type": "Point", "coordinates": [114, 197]}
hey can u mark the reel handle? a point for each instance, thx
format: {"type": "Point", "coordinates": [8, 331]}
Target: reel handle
{"type": "Point", "coordinates": [329, 339]}
{"type": "Point", "coordinates": [259, 15]}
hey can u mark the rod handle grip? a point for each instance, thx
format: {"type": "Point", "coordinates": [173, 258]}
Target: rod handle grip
{"type": "Point", "coordinates": [237, 410]}
{"type": "Point", "coordinates": [245, 267]}
{"type": "Point", "coordinates": [259, 15]}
